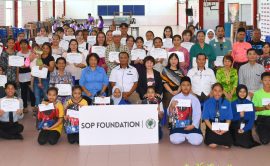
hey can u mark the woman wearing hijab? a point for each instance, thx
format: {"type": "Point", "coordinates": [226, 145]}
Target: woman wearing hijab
{"type": "Point", "coordinates": [242, 122]}
{"type": "Point", "coordinates": [210, 35]}
{"type": "Point", "coordinates": [116, 98]}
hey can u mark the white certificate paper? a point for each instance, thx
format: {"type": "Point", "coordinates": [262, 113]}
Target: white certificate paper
{"type": "Point", "coordinates": [265, 101]}
{"type": "Point", "coordinates": [183, 103]}
{"type": "Point", "coordinates": [91, 40]}
{"type": "Point", "coordinates": [39, 73]}
{"type": "Point", "coordinates": [244, 107]}
{"type": "Point", "coordinates": [148, 44]}
{"type": "Point", "coordinates": [219, 61]}
{"type": "Point", "coordinates": [102, 100]}
{"type": "Point", "coordinates": [123, 41]}
{"type": "Point", "coordinates": [74, 58]}
{"type": "Point", "coordinates": [63, 89]}
{"type": "Point", "coordinates": [220, 126]}
{"type": "Point", "coordinates": [100, 50]}
{"type": "Point", "coordinates": [10, 105]}
{"type": "Point", "coordinates": [16, 61]}
{"type": "Point", "coordinates": [41, 40]}
{"type": "Point", "coordinates": [73, 113]}
{"type": "Point", "coordinates": [138, 54]}
{"type": "Point", "coordinates": [44, 107]}
{"type": "Point", "coordinates": [194, 63]}
{"type": "Point", "coordinates": [179, 54]}
{"type": "Point", "coordinates": [55, 56]}
{"type": "Point", "coordinates": [68, 38]}
{"type": "Point", "coordinates": [3, 80]}
{"type": "Point", "coordinates": [167, 43]}
{"type": "Point", "coordinates": [114, 56]}
{"type": "Point", "coordinates": [158, 53]}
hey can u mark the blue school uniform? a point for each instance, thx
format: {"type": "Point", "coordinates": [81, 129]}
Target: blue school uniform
{"type": "Point", "coordinates": [123, 102]}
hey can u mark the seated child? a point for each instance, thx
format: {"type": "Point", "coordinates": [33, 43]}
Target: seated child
{"type": "Point", "coordinates": [50, 122]}
{"type": "Point", "coordinates": [152, 99]}
{"type": "Point", "coordinates": [242, 123]}
{"type": "Point", "coordinates": [117, 97]}
{"type": "Point", "coordinates": [185, 118]}
{"type": "Point", "coordinates": [9, 126]}
{"type": "Point", "coordinates": [71, 123]}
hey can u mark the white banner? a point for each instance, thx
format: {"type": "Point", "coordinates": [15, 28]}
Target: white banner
{"type": "Point", "coordinates": [118, 124]}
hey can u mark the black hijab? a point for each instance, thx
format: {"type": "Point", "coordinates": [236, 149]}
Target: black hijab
{"type": "Point", "coordinates": [239, 87]}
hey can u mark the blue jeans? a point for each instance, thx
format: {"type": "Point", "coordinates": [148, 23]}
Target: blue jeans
{"type": "Point", "coordinates": [40, 92]}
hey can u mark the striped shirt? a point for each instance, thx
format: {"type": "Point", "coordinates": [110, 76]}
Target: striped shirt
{"type": "Point", "coordinates": [250, 75]}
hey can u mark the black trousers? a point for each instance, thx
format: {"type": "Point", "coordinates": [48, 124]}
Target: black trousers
{"type": "Point", "coordinates": [24, 93]}
{"type": "Point", "coordinates": [73, 138]}
{"type": "Point", "coordinates": [51, 136]}
{"type": "Point", "coordinates": [213, 138]}
{"type": "Point", "coordinates": [10, 130]}
{"type": "Point", "coordinates": [263, 129]}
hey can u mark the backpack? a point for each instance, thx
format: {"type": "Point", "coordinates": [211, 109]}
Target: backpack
{"type": "Point", "coordinates": [72, 124]}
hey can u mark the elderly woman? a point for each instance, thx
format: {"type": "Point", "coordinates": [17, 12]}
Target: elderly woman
{"type": "Point", "coordinates": [94, 80]}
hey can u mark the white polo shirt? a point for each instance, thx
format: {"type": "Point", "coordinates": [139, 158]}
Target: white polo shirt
{"type": "Point", "coordinates": [124, 77]}
{"type": "Point", "coordinates": [201, 81]}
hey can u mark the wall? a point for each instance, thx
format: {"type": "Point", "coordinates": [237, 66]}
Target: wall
{"type": "Point", "coordinates": [194, 4]}
{"type": "Point", "coordinates": [2, 13]}
{"type": "Point", "coordinates": [211, 17]}
{"type": "Point", "coordinates": [46, 10]}
{"type": "Point", "coordinates": [29, 12]}
{"type": "Point", "coordinates": [59, 8]}
{"type": "Point", "coordinates": [182, 15]}
{"type": "Point", "coordinates": [157, 12]}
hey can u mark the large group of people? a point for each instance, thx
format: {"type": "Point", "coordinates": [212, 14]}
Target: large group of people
{"type": "Point", "coordinates": [195, 78]}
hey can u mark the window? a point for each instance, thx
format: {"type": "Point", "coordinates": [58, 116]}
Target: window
{"type": "Point", "coordinates": [9, 13]}
{"type": "Point", "coordinates": [136, 10]}
{"type": "Point", "coordinates": [108, 10]}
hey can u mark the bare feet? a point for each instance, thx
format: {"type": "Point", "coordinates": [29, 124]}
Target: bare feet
{"type": "Point", "coordinates": [213, 145]}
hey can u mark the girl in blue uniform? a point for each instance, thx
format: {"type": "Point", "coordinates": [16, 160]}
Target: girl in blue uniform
{"type": "Point", "coordinates": [242, 122]}
{"type": "Point", "coordinates": [217, 110]}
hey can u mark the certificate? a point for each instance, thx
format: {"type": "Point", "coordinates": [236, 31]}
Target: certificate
{"type": "Point", "coordinates": [72, 113]}
{"type": "Point", "coordinates": [138, 54]}
{"type": "Point", "coordinates": [179, 54]}
{"type": "Point", "coordinates": [44, 107]}
{"type": "Point", "coordinates": [91, 40]}
{"type": "Point", "coordinates": [100, 50]}
{"type": "Point", "coordinates": [55, 56]}
{"type": "Point", "coordinates": [74, 58]}
{"type": "Point", "coordinates": [194, 63]}
{"type": "Point", "coordinates": [3, 80]}
{"type": "Point", "coordinates": [265, 101]}
{"type": "Point", "coordinates": [10, 105]}
{"type": "Point", "coordinates": [1, 48]}
{"type": "Point", "coordinates": [148, 44]}
{"type": "Point", "coordinates": [158, 53]}
{"type": "Point", "coordinates": [219, 61]}
{"type": "Point", "coordinates": [39, 73]}
{"type": "Point", "coordinates": [114, 56]}
{"type": "Point", "coordinates": [167, 43]}
{"type": "Point", "coordinates": [16, 61]}
{"type": "Point", "coordinates": [123, 41]}
{"type": "Point", "coordinates": [220, 126]}
{"type": "Point", "coordinates": [244, 107]}
{"type": "Point", "coordinates": [102, 100]}
{"type": "Point", "coordinates": [64, 44]}
{"type": "Point", "coordinates": [68, 38]}
{"type": "Point", "coordinates": [183, 103]}
{"type": "Point", "coordinates": [63, 89]}
{"type": "Point", "coordinates": [41, 40]}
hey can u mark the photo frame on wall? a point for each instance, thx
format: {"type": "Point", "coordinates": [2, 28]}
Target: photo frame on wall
{"type": "Point", "coordinates": [233, 12]}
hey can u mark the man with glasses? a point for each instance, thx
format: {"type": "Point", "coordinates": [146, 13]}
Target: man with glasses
{"type": "Point", "coordinates": [221, 45]}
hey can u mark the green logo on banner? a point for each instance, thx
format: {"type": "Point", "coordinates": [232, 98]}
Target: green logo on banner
{"type": "Point", "coordinates": [150, 123]}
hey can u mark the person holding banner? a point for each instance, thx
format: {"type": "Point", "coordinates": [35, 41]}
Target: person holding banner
{"type": "Point", "coordinates": [61, 76]}
{"type": "Point", "coordinates": [183, 53]}
{"type": "Point", "coordinates": [94, 80]}
{"type": "Point", "coordinates": [217, 115]}
{"type": "Point", "coordinates": [71, 120]}
{"type": "Point", "coordinates": [243, 120]}
{"type": "Point", "coordinates": [75, 68]}
{"type": "Point", "coordinates": [9, 126]}
{"type": "Point", "coordinates": [228, 77]}
{"type": "Point", "coordinates": [185, 113]}
{"type": "Point", "coordinates": [50, 118]}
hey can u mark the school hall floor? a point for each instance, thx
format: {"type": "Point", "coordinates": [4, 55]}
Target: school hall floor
{"type": "Point", "coordinates": [29, 153]}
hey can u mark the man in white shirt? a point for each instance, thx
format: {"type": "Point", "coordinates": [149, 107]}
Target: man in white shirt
{"type": "Point", "coordinates": [202, 78]}
{"type": "Point", "coordinates": [125, 77]}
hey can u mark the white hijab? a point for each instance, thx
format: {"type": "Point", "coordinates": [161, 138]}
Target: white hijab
{"type": "Point", "coordinates": [207, 40]}
{"type": "Point", "coordinates": [116, 100]}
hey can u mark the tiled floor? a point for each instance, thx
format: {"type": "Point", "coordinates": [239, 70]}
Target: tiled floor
{"type": "Point", "coordinates": [29, 153]}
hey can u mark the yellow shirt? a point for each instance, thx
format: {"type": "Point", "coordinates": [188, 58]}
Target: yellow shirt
{"type": "Point", "coordinates": [83, 102]}
{"type": "Point", "coordinates": [60, 108]}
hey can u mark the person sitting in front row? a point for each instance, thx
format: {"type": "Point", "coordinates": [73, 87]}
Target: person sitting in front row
{"type": "Point", "coordinates": [150, 98]}
{"type": "Point", "coordinates": [185, 118]}
{"type": "Point", "coordinates": [9, 126]}
{"type": "Point", "coordinates": [116, 98]}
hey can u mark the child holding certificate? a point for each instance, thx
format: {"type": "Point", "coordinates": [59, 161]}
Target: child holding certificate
{"type": "Point", "coordinates": [152, 99]}
{"type": "Point", "coordinates": [9, 126]}
{"type": "Point", "coordinates": [138, 62]}
{"type": "Point", "coordinates": [242, 123]}
{"type": "Point", "coordinates": [71, 121]}
{"type": "Point", "coordinates": [50, 119]}
{"type": "Point", "coordinates": [217, 115]}
{"type": "Point", "coordinates": [2, 89]}
{"type": "Point", "coordinates": [185, 114]}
